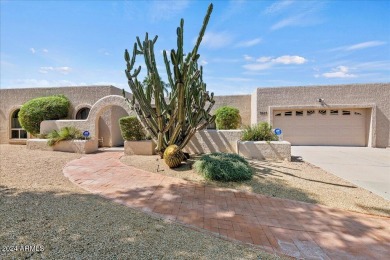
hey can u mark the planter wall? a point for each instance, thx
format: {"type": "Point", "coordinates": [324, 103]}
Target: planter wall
{"type": "Point", "coordinates": [275, 150]}
{"type": "Point", "coordinates": [71, 146]}
{"type": "Point", "coordinates": [227, 141]}
{"type": "Point", "coordinates": [210, 141]}
{"type": "Point", "coordinates": [144, 147]}
{"type": "Point", "coordinates": [38, 144]}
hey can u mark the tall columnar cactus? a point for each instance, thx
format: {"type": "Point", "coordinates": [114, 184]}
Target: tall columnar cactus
{"type": "Point", "coordinates": [172, 120]}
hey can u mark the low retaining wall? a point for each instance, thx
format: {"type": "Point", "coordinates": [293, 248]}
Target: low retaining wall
{"type": "Point", "coordinates": [210, 141]}
{"type": "Point", "coordinates": [146, 147]}
{"type": "Point", "coordinates": [38, 144]}
{"type": "Point", "coordinates": [227, 141]}
{"type": "Point", "coordinates": [274, 150]}
{"type": "Point", "coordinates": [71, 146]}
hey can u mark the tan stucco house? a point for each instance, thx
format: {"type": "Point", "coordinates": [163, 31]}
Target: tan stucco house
{"type": "Point", "coordinates": [344, 115]}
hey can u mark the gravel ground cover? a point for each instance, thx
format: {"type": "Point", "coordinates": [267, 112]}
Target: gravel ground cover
{"type": "Point", "coordinates": [40, 207]}
{"type": "Point", "coordinates": [296, 180]}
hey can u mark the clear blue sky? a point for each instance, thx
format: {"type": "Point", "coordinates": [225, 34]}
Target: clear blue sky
{"type": "Point", "coordinates": [248, 44]}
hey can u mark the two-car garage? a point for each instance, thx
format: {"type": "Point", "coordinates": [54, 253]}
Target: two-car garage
{"type": "Point", "coordinates": [323, 126]}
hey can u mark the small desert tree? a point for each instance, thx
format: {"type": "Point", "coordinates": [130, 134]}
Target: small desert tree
{"type": "Point", "coordinates": [171, 121]}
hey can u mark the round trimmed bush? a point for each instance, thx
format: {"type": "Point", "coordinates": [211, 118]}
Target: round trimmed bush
{"type": "Point", "coordinates": [131, 129]}
{"type": "Point", "coordinates": [223, 167]}
{"type": "Point", "coordinates": [227, 118]}
{"type": "Point", "coordinates": [33, 112]}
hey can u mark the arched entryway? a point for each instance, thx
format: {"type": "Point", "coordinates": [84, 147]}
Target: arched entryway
{"type": "Point", "coordinates": [102, 121]}
{"type": "Point", "coordinates": [109, 133]}
{"type": "Point", "coordinates": [105, 114]}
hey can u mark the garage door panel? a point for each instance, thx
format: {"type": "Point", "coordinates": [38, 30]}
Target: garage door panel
{"type": "Point", "coordinates": [332, 127]}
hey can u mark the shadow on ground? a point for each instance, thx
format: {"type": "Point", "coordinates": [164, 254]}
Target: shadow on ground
{"type": "Point", "coordinates": [341, 235]}
{"type": "Point", "coordinates": [86, 226]}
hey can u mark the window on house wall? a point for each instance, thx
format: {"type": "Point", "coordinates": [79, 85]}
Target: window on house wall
{"type": "Point", "coordinates": [82, 113]}
{"type": "Point", "coordinates": [288, 113]}
{"type": "Point", "coordinates": [346, 112]}
{"type": "Point", "coordinates": [17, 132]}
{"type": "Point", "coordinates": [299, 113]}
{"type": "Point", "coordinates": [334, 112]}
{"type": "Point", "coordinates": [322, 112]}
{"type": "Point", "coordinates": [310, 112]}
{"type": "Point", "coordinates": [278, 114]}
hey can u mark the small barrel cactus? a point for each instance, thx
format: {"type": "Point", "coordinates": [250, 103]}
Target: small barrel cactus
{"type": "Point", "coordinates": [173, 156]}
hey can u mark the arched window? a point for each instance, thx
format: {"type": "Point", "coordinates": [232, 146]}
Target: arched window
{"type": "Point", "coordinates": [17, 132]}
{"type": "Point", "coordinates": [83, 113]}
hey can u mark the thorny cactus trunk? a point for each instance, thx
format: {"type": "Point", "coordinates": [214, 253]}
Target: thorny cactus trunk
{"type": "Point", "coordinates": [172, 121]}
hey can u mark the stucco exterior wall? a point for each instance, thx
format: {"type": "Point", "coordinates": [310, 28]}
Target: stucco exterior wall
{"type": "Point", "coordinates": [100, 122]}
{"type": "Point", "coordinates": [274, 150]}
{"type": "Point", "coordinates": [373, 96]}
{"type": "Point", "coordinates": [70, 146]}
{"type": "Point", "coordinates": [253, 108]}
{"type": "Point", "coordinates": [211, 141]}
{"type": "Point", "coordinates": [116, 136]}
{"type": "Point", "coordinates": [242, 102]}
{"type": "Point", "coordinates": [82, 96]}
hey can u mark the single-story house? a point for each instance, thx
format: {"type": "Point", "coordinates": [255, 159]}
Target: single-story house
{"type": "Point", "coordinates": [337, 115]}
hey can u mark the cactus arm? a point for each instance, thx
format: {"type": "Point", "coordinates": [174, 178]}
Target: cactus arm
{"type": "Point", "coordinates": [175, 121]}
{"type": "Point", "coordinates": [202, 31]}
{"type": "Point", "coordinates": [171, 121]}
{"type": "Point", "coordinates": [187, 138]}
{"type": "Point", "coordinates": [168, 68]}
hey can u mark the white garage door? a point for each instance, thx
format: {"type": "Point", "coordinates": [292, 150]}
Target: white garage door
{"type": "Point", "coordinates": [323, 126]}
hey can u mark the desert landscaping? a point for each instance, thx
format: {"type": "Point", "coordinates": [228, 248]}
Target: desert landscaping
{"type": "Point", "coordinates": [295, 180]}
{"type": "Point", "coordinates": [42, 207]}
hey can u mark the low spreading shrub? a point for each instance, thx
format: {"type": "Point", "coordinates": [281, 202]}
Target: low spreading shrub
{"type": "Point", "coordinates": [65, 133]}
{"type": "Point", "coordinates": [131, 129]}
{"type": "Point", "coordinates": [260, 132]}
{"type": "Point", "coordinates": [227, 118]}
{"type": "Point", "coordinates": [33, 112]}
{"type": "Point", "coordinates": [223, 167]}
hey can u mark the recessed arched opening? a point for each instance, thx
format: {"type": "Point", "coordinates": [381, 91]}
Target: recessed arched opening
{"type": "Point", "coordinates": [83, 113]}
{"type": "Point", "coordinates": [108, 130]}
{"type": "Point", "coordinates": [17, 132]}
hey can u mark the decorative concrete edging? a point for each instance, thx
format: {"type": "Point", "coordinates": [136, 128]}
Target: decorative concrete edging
{"type": "Point", "coordinates": [71, 146]}
{"type": "Point", "coordinates": [144, 147]}
{"type": "Point", "coordinates": [263, 150]}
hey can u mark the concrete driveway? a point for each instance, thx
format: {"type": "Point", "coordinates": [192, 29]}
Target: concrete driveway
{"type": "Point", "coordinates": [365, 167]}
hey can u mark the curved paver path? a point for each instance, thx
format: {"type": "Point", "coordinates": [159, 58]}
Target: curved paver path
{"type": "Point", "coordinates": [278, 225]}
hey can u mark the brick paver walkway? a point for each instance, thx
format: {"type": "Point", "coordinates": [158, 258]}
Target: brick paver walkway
{"type": "Point", "coordinates": [282, 226]}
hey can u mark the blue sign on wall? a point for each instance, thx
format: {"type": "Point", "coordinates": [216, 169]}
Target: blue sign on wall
{"type": "Point", "coordinates": [278, 131]}
{"type": "Point", "coordinates": [86, 133]}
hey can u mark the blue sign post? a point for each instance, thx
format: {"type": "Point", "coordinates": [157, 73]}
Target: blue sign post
{"type": "Point", "coordinates": [278, 131]}
{"type": "Point", "coordinates": [86, 134]}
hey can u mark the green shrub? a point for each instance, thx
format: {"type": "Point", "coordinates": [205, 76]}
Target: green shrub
{"type": "Point", "coordinates": [65, 133]}
{"type": "Point", "coordinates": [227, 118]}
{"type": "Point", "coordinates": [223, 167]}
{"type": "Point", "coordinates": [131, 129]}
{"type": "Point", "coordinates": [33, 112]}
{"type": "Point", "coordinates": [260, 132]}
